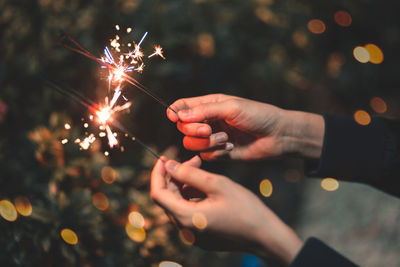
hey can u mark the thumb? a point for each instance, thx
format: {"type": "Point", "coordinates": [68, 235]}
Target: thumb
{"type": "Point", "coordinates": [192, 176]}
{"type": "Point", "coordinates": [225, 110]}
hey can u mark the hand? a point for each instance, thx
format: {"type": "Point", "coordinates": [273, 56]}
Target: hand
{"type": "Point", "coordinates": [233, 217]}
{"type": "Point", "coordinates": [227, 126]}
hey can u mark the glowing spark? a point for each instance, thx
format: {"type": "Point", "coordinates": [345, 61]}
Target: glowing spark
{"type": "Point", "coordinates": [67, 126]}
{"type": "Point", "coordinates": [112, 141]}
{"type": "Point", "coordinates": [157, 51]}
{"type": "Point", "coordinates": [85, 144]}
{"type": "Point", "coordinates": [128, 30]}
{"type": "Point", "coordinates": [64, 141]}
{"type": "Point", "coordinates": [117, 27]}
{"type": "Point", "coordinates": [86, 125]}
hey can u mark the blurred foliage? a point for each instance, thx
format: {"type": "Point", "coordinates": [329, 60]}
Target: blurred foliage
{"type": "Point", "coordinates": [259, 49]}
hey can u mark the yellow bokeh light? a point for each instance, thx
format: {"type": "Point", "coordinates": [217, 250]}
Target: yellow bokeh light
{"type": "Point", "coordinates": [136, 219]}
{"type": "Point", "coordinates": [343, 18]}
{"type": "Point", "coordinates": [266, 188]}
{"type": "Point", "coordinates": [169, 264]}
{"type": "Point", "coordinates": [187, 237]}
{"type": "Point", "coordinates": [362, 117]}
{"type": "Point", "coordinates": [300, 39]}
{"type": "Point", "coordinates": [329, 184]}
{"type": "Point", "coordinates": [100, 201]}
{"type": "Point", "coordinates": [8, 211]}
{"type": "Point", "coordinates": [109, 175]}
{"type": "Point", "coordinates": [69, 236]}
{"type": "Point", "coordinates": [361, 54]}
{"type": "Point", "coordinates": [375, 54]}
{"type": "Point", "coordinates": [378, 105]}
{"type": "Point", "coordinates": [199, 220]}
{"type": "Point", "coordinates": [67, 126]}
{"type": "Point", "coordinates": [23, 206]}
{"type": "Point", "coordinates": [316, 26]}
{"type": "Point", "coordinates": [206, 44]}
{"type": "Point", "coordinates": [135, 233]}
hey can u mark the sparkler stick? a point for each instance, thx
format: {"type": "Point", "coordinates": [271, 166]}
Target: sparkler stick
{"type": "Point", "coordinates": [94, 108]}
{"type": "Point", "coordinates": [79, 49]}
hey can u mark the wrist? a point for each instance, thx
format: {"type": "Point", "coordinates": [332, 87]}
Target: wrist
{"type": "Point", "coordinates": [277, 241]}
{"type": "Point", "coordinates": [302, 133]}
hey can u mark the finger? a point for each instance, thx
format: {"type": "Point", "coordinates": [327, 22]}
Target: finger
{"type": "Point", "coordinates": [225, 110]}
{"type": "Point", "coordinates": [185, 103]}
{"type": "Point", "coordinates": [223, 152]}
{"type": "Point", "coordinates": [194, 162]}
{"type": "Point", "coordinates": [159, 192]}
{"type": "Point", "coordinates": [194, 129]}
{"type": "Point", "coordinates": [176, 187]}
{"type": "Point", "coordinates": [195, 177]}
{"type": "Point", "coordinates": [200, 144]}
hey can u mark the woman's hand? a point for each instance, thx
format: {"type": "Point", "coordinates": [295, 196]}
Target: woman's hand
{"type": "Point", "coordinates": [229, 217]}
{"type": "Point", "coordinates": [226, 126]}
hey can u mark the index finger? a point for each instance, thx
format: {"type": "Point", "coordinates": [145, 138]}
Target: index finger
{"type": "Point", "coordinates": [186, 103]}
{"type": "Point", "coordinates": [159, 192]}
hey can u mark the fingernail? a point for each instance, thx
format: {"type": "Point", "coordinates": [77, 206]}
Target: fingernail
{"type": "Point", "coordinates": [171, 165]}
{"type": "Point", "coordinates": [221, 137]}
{"type": "Point", "coordinates": [203, 130]}
{"type": "Point", "coordinates": [229, 146]}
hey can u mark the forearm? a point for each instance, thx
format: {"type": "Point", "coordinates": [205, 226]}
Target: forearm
{"type": "Point", "coordinates": [302, 134]}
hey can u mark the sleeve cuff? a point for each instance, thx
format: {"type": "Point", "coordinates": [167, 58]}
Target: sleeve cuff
{"type": "Point", "coordinates": [315, 253]}
{"type": "Point", "coordinates": [350, 151]}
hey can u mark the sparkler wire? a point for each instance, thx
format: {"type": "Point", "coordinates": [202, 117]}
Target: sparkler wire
{"type": "Point", "coordinates": [77, 97]}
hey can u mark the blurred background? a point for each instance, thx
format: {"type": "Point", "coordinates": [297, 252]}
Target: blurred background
{"type": "Point", "coordinates": [66, 206]}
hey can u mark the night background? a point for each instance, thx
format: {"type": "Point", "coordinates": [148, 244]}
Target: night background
{"type": "Point", "coordinates": [61, 205]}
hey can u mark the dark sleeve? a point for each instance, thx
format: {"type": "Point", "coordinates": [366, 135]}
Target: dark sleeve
{"type": "Point", "coordinates": [368, 154]}
{"type": "Point", "coordinates": [315, 253]}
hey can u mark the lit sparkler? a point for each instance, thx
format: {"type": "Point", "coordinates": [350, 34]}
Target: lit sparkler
{"type": "Point", "coordinates": [104, 117]}
{"type": "Point", "coordinates": [118, 70]}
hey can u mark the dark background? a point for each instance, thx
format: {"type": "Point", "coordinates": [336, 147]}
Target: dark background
{"type": "Point", "coordinates": [243, 48]}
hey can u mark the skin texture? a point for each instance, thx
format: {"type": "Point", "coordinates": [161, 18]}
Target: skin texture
{"type": "Point", "coordinates": [222, 126]}
{"type": "Point", "coordinates": [236, 219]}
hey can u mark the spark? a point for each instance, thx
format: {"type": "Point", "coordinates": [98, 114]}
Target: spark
{"type": "Point", "coordinates": [157, 51]}
{"type": "Point", "coordinates": [85, 143]}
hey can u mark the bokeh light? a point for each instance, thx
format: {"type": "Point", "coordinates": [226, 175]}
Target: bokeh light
{"type": "Point", "coordinates": [378, 105]}
{"type": "Point", "coordinates": [266, 188]}
{"type": "Point", "coordinates": [187, 237]}
{"type": "Point", "coordinates": [300, 38]}
{"type": "Point", "coordinates": [206, 44]}
{"type": "Point", "coordinates": [100, 201]}
{"type": "Point", "coordinates": [69, 236]}
{"type": "Point", "coordinates": [375, 54]}
{"type": "Point", "coordinates": [342, 18]}
{"type": "Point", "coordinates": [199, 220]}
{"type": "Point", "coordinates": [361, 54]}
{"type": "Point", "coordinates": [136, 219]}
{"type": "Point", "coordinates": [8, 211]}
{"type": "Point", "coordinates": [136, 234]}
{"type": "Point", "coordinates": [169, 264]}
{"type": "Point", "coordinates": [109, 175]}
{"type": "Point", "coordinates": [23, 206]}
{"type": "Point", "coordinates": [330, 184]}
{"type": "Point", "coordinates": [316, 26]}
{"type": "Point", "coordinates": [362, 117]}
